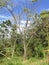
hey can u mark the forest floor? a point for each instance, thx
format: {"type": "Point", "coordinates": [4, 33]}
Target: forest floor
{"type": "Point", "coordinates": [20, 61]}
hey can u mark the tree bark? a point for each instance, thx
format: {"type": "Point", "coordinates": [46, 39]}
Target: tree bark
{"type": "Point", "coordinates": [25, 52]}
{"type": "Point", "coordinates": [13, 50]}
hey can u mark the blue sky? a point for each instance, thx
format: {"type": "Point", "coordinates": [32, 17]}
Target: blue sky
{"type": "Point", "coordinates": [42, 5]}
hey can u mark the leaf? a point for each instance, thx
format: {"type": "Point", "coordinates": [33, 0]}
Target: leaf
{"type": "Point", "coordinates": [26, 10]}
{"type": "Point", "coordinates": [34, 0]}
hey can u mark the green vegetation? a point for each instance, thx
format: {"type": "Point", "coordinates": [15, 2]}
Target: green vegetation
{"type": "Point", "coordinates": [12, 49]}
{"type": "Point", "coordinates": [28, 45]}
{"type": "Point", "coordinates": [20, 61]}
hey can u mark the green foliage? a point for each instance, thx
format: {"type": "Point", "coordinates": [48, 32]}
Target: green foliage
{"type": "Point", "coordinates": [34, 0]}
{"type": "Point", "coordinates": [31, 41]}
{"type": "Point", "coordinates": [19, 61]}
{"type": "Point", "coordinates": [38, 42]}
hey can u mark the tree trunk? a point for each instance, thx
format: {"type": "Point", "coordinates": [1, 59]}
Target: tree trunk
{"type": "Point", "coordinates": [13, 50]}
{"type": "Point", "coordinates": [25, 52]}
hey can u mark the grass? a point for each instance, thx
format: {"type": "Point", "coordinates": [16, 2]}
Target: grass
{"type": "Point", "coordinates": [20, 61]}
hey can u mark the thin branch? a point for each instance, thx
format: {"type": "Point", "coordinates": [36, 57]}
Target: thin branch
{"type": "Point", "coordinates": [28, 41]}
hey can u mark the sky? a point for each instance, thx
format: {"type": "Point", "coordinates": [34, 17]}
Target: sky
{"type": "Point", "coordinates": [18, 6]}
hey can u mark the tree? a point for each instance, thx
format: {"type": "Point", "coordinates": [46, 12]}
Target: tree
{"type": "Point", "coordinates": [28, 13]}
{"type": "Point", "coordinates": [45, 19]}
{"type": "Point", "coordinates": [4, 36]}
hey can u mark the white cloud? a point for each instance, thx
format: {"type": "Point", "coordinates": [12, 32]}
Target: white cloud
{"type": "Point", "coordinates": [47, 9]}
{"type": "Point", "coordinates": [12, 19]}
{"type": "Point", "coordinates": [4, 17]}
